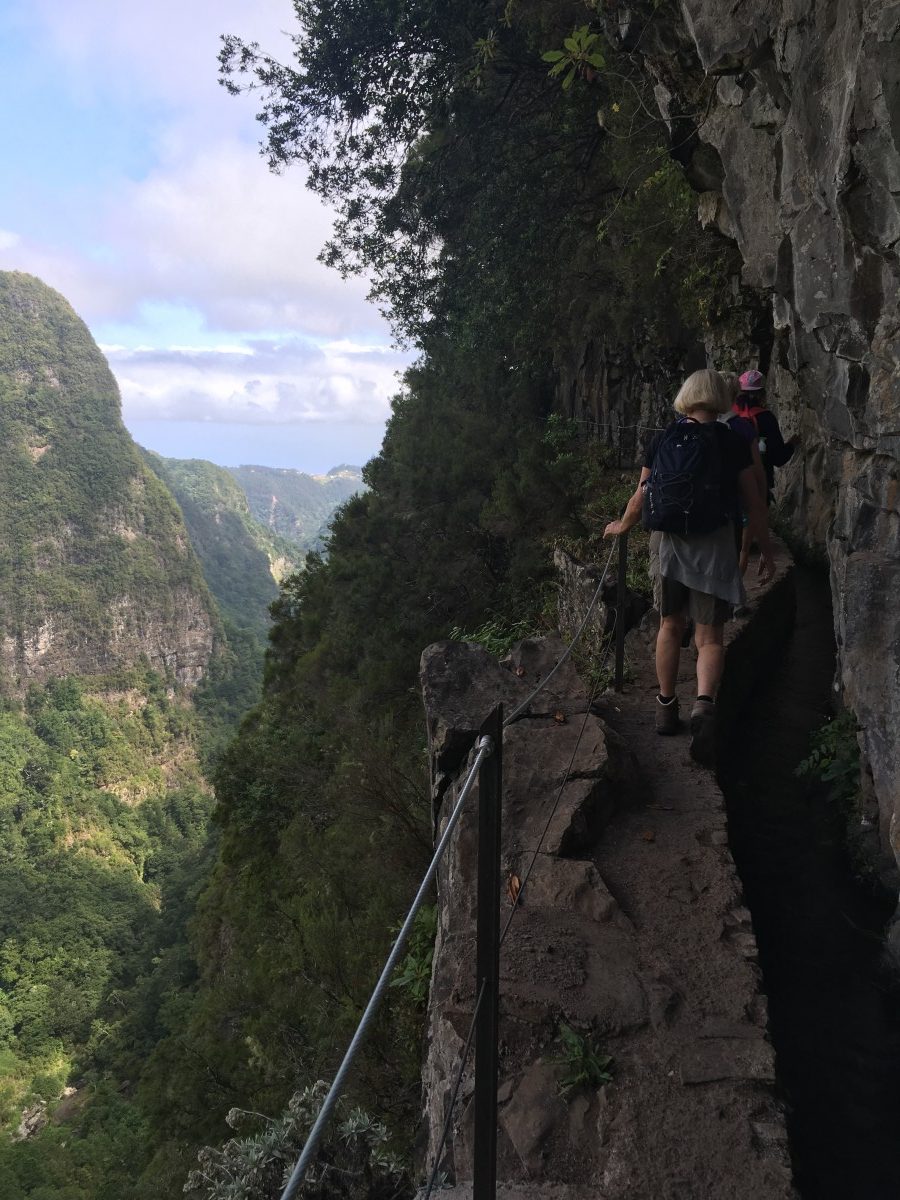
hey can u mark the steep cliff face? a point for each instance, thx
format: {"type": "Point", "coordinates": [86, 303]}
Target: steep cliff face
{"type": "Point", "coordinates": [96, 570]}
{"type": "Point", "coordinates": [787, 118]}
{"type": "Point", "coordinates": [241, 557]}
{"type": "Point", "coordinates": [295, 506]}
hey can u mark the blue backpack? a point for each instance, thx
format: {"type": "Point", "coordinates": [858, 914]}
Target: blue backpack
{"type": "Point", "coordinates": [684, 491]}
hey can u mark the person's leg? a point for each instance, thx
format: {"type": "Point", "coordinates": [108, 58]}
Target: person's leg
{"type": "Point", "coordinates": [672, 624]}
{"type": "Point", "coordinates": [710, 663]}
{"type": "Point", "coordinates": [746, 542]}
{"type": "Point", "coordinates": [710, 658]}
{"type": "Point", "coordinates": [668, 651]}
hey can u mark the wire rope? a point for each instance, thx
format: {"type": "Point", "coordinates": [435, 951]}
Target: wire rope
{"type": "Point", "coordinates": [587, 713]}
{"type": "Point", "coordinates": [485, 748]}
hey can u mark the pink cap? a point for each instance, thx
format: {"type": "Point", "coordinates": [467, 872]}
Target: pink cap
{"type": "Point", "coordinates": [752, 381]}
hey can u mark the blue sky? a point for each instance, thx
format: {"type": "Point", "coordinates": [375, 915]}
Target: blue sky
{"type": "Point", "coordinates": [133, 184]}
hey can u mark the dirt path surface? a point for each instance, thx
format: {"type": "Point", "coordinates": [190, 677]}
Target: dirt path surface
{"type": "Point", "coordinates": [631, 930]}
{"type": "Point", "coordinates": [695, 1116]}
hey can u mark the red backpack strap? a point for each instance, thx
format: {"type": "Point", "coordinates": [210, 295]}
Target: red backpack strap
{"type": "Point", "coordinates": [749, 413]}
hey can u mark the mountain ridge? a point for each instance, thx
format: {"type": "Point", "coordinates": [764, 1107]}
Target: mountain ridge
{"type": "Point", "coordinates": [294, 504]}
{"type": "Point", "coordinates": [96, 568]}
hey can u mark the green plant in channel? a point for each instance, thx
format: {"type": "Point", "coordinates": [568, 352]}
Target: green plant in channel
{"type": "Point", "coordinates": [834, 757]}
{"type": "Point", "coordinates": [586, 1064]}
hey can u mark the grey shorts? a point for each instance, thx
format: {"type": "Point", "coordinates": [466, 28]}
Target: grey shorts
{"type": "Point", "coordinates": [672, 598]}
{"type": "Point", "coordinates": [676, 599]}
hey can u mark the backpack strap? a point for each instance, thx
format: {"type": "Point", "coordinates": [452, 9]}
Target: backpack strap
{"type": "Point", "coordinates": [749, 413]}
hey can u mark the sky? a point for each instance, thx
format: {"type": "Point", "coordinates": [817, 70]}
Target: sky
{"type": "Point", "coordinates": [133, 184]}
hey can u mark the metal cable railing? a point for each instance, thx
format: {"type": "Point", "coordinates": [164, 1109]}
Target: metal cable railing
{"type": "Point", "coordinates": [454, 1092]}
{"type": "Point", "coordinates": [448, 1120]}
{"type": "Point", "coordinates": [587, 712]}
{"type": "Point", "coordinates": [485, 748]}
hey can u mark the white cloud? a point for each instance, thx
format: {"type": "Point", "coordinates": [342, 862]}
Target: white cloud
{"type": "Point", "coordinates": [166, 50]}
{"type": "Point", "coordinates": [225, 234]}
{"type": "Point", "coordinates": [295, 382]}
{"type": "Point", "coordinates": [208, 225]}
{"type": "Point", "coordinates": [220, 234]}
{"type": "Point", "coordinates": [206, 230]}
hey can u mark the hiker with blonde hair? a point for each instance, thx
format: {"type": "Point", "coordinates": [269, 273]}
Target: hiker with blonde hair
{"type": "Point", "coordinates": [696, 477]}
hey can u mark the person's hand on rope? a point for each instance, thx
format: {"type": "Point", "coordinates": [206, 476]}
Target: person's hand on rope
{"type": "Point", "coordinates": [632, 513]}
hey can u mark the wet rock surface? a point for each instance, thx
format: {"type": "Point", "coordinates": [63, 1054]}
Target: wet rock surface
{"type": "Point", "coordinates": [630, 928]}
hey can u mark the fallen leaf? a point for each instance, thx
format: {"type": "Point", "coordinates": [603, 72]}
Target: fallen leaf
{"type": "Point", "coordinates": [520, 671]}
{"type": "Point", "coordinates": [513, 887]}
{"type": "Point", "coordinates": [559, 717]}
{"type": "Point", "coordinates": [648, 835]}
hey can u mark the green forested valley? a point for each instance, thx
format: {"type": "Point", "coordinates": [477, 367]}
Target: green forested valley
{"type": "Point", "coordinates": [295, 507]}
{"type": "Point", "coordinates": [499, 174]}
{"type": "Point", "coordinates": [105, 819]}
{"type": "Point", "coordinates": [240, 556]}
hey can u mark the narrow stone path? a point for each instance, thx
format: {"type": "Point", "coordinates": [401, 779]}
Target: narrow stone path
{"type": "Point", "coordinates": [696, 1116]}
{"type": "Point", "coordinates": [632, 929]}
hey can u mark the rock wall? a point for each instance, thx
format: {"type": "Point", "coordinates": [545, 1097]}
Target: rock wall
{"type": "Point", "coordinates": [787, 118]}
{"type": "Point", "coordinates": [616, 395]}
{"type": "Point", "coordinates": [176, 639]}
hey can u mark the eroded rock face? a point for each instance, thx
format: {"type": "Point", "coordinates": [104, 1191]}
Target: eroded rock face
{"type": "Point", "coordinates": [802, 127]}
{"type": "Point", "coordinates": [177, 639]}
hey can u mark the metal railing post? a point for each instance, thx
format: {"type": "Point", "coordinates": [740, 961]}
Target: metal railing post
{"type": "Point", "coordinates": [487, 962]}
{"type": "Point", "coordinates": [621, 593]}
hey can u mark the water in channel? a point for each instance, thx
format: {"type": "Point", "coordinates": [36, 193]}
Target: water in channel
{"type": "Point", "coordinates": [834, 1008]}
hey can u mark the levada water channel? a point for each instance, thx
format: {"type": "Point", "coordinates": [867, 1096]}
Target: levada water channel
{"type": "Point", "coordinates": [834, 1004]}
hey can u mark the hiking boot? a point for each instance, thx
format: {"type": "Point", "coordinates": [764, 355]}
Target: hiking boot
{"type": "Point", "coordinates": [703, 732]}
{"type": "Point", "coordinates": [667, 721]}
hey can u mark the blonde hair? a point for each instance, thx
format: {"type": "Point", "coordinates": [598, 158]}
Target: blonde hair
{"type": "Point", "coordinates": [704, 389]}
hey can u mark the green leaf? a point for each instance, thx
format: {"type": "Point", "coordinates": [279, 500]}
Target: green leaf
{"type": "Point", "coordinates": [552, 55]}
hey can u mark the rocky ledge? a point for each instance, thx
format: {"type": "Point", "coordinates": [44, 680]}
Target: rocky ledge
{"type": "Point", "coordinates": [630, 930]}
